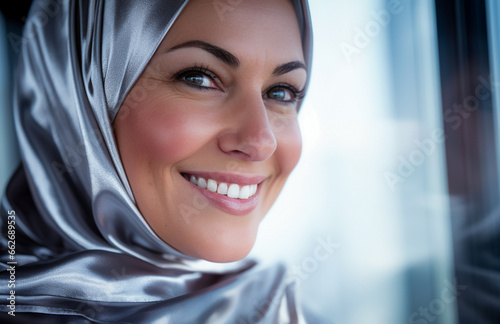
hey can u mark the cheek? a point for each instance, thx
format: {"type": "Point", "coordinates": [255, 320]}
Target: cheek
{"type": "Point", "coordinates": [160, 131]}
{"type": "Point", "coordinates": [289, 147]}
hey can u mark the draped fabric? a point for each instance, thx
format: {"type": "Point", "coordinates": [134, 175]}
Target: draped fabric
{"type": "Point", "coordinates": [83, 250]}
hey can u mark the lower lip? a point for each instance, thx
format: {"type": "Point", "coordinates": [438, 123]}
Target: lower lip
{"type": "Point", "coordinates": [232, 206]}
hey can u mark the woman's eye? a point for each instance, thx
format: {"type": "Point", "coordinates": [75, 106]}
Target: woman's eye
{"type": "Point", "coordinates": [281, 94]}
{"type": "Point", "coordinates": [198, 79]}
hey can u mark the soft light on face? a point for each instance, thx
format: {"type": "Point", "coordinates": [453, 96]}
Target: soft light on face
{"type": "Point", "coordinates": [213, 117]}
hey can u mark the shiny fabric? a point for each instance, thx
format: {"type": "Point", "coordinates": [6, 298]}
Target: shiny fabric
{"type": "Point", "coordinates": [83, 251]}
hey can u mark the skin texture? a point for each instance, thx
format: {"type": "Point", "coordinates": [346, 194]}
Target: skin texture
{"type": "Point", "coordinates": [167, 126]}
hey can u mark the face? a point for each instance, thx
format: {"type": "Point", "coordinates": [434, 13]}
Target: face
{"type": "Point", "coordinates": [208, 135]}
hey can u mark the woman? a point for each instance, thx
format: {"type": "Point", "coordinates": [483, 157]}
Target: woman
{"type": "Point", "coordinates": [155, 136]}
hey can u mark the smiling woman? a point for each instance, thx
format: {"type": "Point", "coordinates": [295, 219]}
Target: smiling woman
{"type": "Point", "coordinates": [155, 137]}
{"type": "Point", "coordinates": [213, 102]}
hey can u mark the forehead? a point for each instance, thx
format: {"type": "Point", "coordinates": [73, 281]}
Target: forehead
{"type": "Point", "coordinates": [246, 28]}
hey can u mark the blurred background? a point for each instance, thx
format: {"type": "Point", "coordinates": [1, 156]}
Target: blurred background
{"type": "Point", "coordinates": [399, 167]}
{"type": "Point", "coordinates": [392, 213]}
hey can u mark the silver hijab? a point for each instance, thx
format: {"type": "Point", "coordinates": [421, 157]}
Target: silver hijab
{"type": "Point", "coordinates": [83, 250]}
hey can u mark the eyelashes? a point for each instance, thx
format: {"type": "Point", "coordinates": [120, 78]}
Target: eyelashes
{"type": "Point", "coordinates": [285, 93]}
{"type": "Point", "coordinates": [201, 78]}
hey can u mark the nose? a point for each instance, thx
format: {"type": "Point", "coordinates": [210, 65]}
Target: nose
{"type": "Point", "coordinates": [249, 135]}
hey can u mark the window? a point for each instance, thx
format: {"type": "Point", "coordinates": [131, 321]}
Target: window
{"type": "Point", "coordinates": [400, 165]}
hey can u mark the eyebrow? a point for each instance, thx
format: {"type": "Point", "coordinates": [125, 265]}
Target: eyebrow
{"type": "Point", "coordinates": [232, 60]}
{"type": "Point", "coordinates": [288, 67]}
{"type": "Point", "coordinates": [218, 52]}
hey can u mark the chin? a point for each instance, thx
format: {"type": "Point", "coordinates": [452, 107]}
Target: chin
{"type": "Point", "coordinates": [226, 254]}
{"type": "Point", "coordinates": [224, 248]}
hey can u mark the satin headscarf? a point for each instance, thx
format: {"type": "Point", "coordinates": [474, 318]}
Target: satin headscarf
{"type": "Point", "coordinates": [83, 250]}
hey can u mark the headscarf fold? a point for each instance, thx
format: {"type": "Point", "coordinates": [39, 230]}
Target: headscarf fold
{"type": "Point", "coordinates": [83, 250]}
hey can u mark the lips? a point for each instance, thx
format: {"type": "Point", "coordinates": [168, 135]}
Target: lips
{"type": "Point", "coordinates": [231, 193]}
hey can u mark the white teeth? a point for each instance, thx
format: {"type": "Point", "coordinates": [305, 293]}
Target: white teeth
{"type": "Point", "coordinates": [244, 192]}
{"type": "Point", "coordinates": [222, 188]}
{"type": "Point", "coordinates": [232, 190]}
{"type": "Point", "coordinates": [212, 185]}
{"type": "Point", "coordinates": [202, 183]}
{"type": "Point", "coordinates": [253, 189]}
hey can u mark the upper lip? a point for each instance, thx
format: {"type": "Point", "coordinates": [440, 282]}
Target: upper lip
{"type": "Point", "coordinates": [228, 177]}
